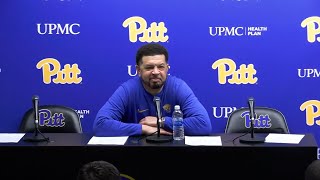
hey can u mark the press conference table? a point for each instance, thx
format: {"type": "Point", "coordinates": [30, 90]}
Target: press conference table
{"type": "Point", "coordinates": [62, 157]}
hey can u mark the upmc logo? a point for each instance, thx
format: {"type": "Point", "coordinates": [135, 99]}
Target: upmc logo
{"type": "Point", "coordinates": [308, 73]}
{"type": "Point", "coordinates": [227, 67]}
{"type": "Point", "coordinates": [313, 28]}
{"type": "Point", "coordinates": [51, 67]}
{"type": "Point", "coordinates": [237, 31]}
{"type": "Point", "coordinates": [224, 111]}
{"type": "Point", "coordinates": [312, 108]}
{"type": "Point", "coordinates": [52, 28]}
{"type": "Point", "coordinates": [137, 25]}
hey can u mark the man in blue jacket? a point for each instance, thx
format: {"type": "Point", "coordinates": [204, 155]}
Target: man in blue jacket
{"type": "Point", "coordinates": [131, 110]}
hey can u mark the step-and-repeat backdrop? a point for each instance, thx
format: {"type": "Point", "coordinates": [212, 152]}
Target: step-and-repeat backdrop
{"type": "Point", "coordinates": [77, 52]}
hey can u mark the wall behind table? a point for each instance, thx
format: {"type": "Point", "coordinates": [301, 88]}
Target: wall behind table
{"type": "Point", "coordinates": [99, 39]}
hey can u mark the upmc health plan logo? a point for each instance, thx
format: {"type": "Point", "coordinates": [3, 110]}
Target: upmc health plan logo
{"type": "Point", "coordinates": [156, 32]}
{"type": "Point", "coordinates": [82, 112]}
{"type": "Point", "coordinates": [313, 28]}
{"type": "Point", "coordinates": [237, 31]}
{"type": "Point", "coordinates": [51, 70]}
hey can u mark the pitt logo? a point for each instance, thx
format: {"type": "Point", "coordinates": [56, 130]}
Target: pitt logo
{"type": "Point", "coordinates": [313, 28]}
{"type": "Point", "coordinates": [312, 108]}
{"type": "Point", "coordinates": [67, 75]}
{"type": "Point", "coordinates": [262, 122]}
{"type": "Point", "coordinates": [155, 33]}
{"type": "Point", "coordinates": [126, 177]}
{"type": "Point", "coordinates": [244, 75]}
{"type": "Point", "coordinates": [167, 108]}
{"type": "Point", "coordinates": [46, 118]}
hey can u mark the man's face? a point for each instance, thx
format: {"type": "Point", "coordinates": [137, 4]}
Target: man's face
{"type": "Point", "coordinates": [153, 71]}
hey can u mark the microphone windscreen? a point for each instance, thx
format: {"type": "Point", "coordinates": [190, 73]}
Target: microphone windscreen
{"type": "Point", "coordinates": [156, 98]}
{"type": "Point", "coordinates": [35, 97]}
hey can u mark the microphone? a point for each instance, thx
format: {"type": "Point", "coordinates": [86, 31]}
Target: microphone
{"type": "Point", "coordinates": [35, 101]}
{"type": "Point", "coordinates": [36, 138]}
{"type": "Point", "coordinates": [251, 138]}
{"type": "Point", "coordinates": [158, 138]}
{"type": "Point", "coordinates": [156, 100]}
{"type": "Point", "coordinates": [251, 109]}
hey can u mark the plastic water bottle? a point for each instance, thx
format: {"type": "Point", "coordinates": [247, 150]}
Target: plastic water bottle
{"type": "Point", "coordinates": [177, 121]}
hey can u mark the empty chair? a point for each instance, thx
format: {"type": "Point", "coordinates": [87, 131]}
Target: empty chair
{"type": "Point", "coordinates": [52, 119]}
{"type": "Point", "coordinates": [267, 120]}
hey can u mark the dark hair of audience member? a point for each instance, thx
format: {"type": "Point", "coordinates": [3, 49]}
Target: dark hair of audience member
{"type": "Point", "coordinates": [313, 171]}
{"type": "Point", "coordinates": [98, 170]}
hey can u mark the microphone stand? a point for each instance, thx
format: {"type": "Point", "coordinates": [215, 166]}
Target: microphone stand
{"type": "Point", "coordinates": [251, 139]}
{"type": "Point", "coordinates": [158, 138]}
{"type": "Point", "coordinates": [36, 137]}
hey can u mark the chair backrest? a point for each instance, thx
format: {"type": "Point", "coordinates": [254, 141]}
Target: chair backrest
{"type": "Point", "coordinates": [267, 120]}
{"type": "Point", "coordinates": [52, 119]}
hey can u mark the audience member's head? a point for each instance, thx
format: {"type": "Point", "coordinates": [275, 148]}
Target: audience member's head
{"type": "Point", "coordinates": [313, 171]}
{"type": "Point", "coordinates": [98, 170]}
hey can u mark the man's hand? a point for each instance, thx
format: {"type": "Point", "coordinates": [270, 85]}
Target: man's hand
{"type": "Point", "coordinates": [149, 120]}
{"type": "Point", "coordinates": [147, 130]}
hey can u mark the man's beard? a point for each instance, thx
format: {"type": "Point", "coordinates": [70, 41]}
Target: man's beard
{"type": "Point", "coordinates": [156, 85]}
{"type": "Point", "coordinates": [153, 85]}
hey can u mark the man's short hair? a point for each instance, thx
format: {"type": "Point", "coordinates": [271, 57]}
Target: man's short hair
{"type": "Point", "coordinates": [313, 171]}
{"type": "Point", "coordinates": [151, 49]}
{"type": "Point", "coordinates": [98, 170]}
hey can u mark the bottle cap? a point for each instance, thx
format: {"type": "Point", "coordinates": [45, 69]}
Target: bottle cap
{"type": "Point", "coordinates": [176, 107]}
